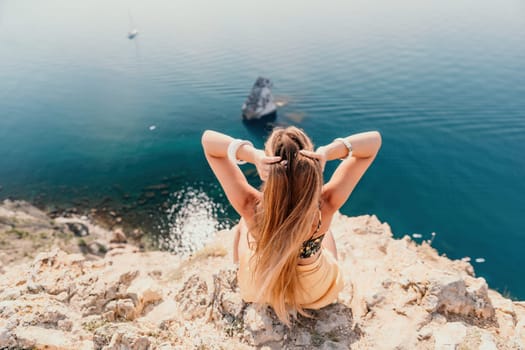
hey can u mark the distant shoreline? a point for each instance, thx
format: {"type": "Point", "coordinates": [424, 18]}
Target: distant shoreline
{"type": "Point", "coordinates": [108, 211]}
{"type": "Point", "coordinates": [145, 208]}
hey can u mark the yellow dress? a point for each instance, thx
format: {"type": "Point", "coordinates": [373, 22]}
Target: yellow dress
{"type": "Point", "coordinates": [321, 281]}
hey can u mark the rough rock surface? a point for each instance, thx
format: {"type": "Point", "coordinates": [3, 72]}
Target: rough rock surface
{"type": "Point", "coordinates": [398, 295]}
{"type": "Point", "coordinates": [26, 230]}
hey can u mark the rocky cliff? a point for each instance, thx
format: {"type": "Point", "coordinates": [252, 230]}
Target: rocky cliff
{"type": "Point", "coordinates": [88, 289]}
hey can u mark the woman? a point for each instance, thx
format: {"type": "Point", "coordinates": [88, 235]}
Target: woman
{"type": "Point", "coordinates": [286, 253]}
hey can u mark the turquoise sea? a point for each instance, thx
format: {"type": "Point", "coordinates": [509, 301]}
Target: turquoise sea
{"type": "Point", "coordinates": [91, 119]}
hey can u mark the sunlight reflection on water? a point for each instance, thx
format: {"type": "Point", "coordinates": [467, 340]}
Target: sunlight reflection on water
{"type": "Point", "coordinates": [191, 221]}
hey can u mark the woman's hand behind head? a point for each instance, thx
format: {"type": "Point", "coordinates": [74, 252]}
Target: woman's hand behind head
{"type": "Point", "coordinates": [263, 163]}
{"type": "Point", "coordinates": [320, 155]}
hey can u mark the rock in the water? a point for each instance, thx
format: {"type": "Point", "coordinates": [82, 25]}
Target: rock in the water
{"type": "Point", "coordinates": [78, 229]}
{"type": "Point", "coordinates": [260, 102]}
{"type": "Point", "coordinates": [96, 248]}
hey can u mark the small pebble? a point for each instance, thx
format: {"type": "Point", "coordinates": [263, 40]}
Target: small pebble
{"type": "Point", "coordinates": [417, 235]}
{"type": "Point", "coordinates": [480, 260]}
{"type": "Point", "coordinates": [152, 127]}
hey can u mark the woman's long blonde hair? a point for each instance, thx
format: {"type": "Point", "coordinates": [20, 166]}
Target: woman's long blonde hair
{"type": "Point", "coordinates": [284, 219]}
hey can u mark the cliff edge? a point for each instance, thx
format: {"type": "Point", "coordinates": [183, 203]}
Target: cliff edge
{"type": "Point", "coordinates": [89, 289]}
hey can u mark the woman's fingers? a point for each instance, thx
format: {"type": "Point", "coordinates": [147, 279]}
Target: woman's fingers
{"type": "Point", "coordinates": [310, 154]}
{"type": "Point", "coordinates": [263, 166]}
{"type": "Point", "coordinates": [270, 160]}
{"type": "Point", "coordinates": [315, 155]}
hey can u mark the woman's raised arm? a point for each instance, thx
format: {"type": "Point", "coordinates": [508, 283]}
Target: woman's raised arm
{"type": "Point", "coordinates": [237, 189]}
{"type": "Point", "coordinates": [239, 192]}
{"type": "Point", "coordinates": [364, 148]}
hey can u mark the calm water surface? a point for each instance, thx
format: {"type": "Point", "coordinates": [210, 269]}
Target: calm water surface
{"type": "Point", "coordinates": [444, 82]}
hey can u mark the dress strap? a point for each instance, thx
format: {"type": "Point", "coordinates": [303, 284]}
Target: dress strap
{"type": "Point", "coordinates": [318, 226]}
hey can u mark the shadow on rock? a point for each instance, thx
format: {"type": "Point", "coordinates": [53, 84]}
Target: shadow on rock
{"type": "Point", "coordinates": [221, 304]}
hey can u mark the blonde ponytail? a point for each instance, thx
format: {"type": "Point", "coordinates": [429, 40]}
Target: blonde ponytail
{"type": "Point", "coordinates": [284, 220]}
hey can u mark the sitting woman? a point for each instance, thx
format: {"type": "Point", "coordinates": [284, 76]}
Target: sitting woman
{"type": "Point", "coordinates": [286, 253]}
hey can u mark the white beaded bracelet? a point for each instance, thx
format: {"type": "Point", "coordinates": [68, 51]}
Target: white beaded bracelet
{"type": "Point", "coordinates": [347, 144]}
{"type": "Point", "coordinates": [233, 147]}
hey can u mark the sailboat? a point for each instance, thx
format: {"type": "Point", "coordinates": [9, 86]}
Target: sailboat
{"type": "Point", "coordinates": [133, 32]}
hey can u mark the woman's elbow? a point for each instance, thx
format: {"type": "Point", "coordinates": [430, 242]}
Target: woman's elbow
{"type": "Point", "coordinates": [373, 143]}
{"type": "Point", "coordinates": [377, 140]}
{"type": "Point", "coordinates": [204, 138]}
